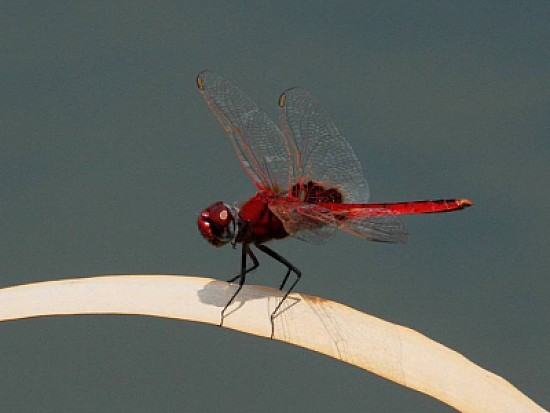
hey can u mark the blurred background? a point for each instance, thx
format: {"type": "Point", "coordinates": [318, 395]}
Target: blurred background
{"type": "Point", "coordinates": [108, 154]}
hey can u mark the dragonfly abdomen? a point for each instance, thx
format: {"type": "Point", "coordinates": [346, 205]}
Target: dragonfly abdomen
{"type": "Point", "coordinates": [362, 211]}
{"type": "Point", "coordinates": [423, 207]}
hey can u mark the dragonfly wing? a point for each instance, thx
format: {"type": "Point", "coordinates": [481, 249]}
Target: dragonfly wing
{"type": "Point", "coordinates": [258, 142]}
{"type": "Point", "coordinates": [380, 226]}
{"type": "Point", "coordinates": [318, 152]}
{"type": "Point", "coordinates": [300, 225]}
{"type": "Point", "coordinates": [383, 228]}
{"type": "Point", "coordinates": [317, 223]}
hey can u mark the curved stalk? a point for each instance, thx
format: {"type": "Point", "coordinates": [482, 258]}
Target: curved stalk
{"type": "Point", "coordinates": [389, 350]}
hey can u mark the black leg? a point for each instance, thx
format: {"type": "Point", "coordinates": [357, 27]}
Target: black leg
{"type": "Point", "coordinates": [285, 280]}
{"type": "Point", "coordinates": [246, 251]}
{"type": "Point", "coordinates": [290, 267]}
{"type": "Point", "coordinates": [255, 264]}
{"type": "Point", "coordinates": [244, 230]}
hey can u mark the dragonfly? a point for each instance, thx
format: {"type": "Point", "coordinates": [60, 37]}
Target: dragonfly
{"type": "Point", "coordinates": [309, 182]}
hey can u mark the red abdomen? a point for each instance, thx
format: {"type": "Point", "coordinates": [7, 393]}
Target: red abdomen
{"type": "Point", "coordinates": [361, 211]}
{"type": "Point", "coordinates": [258, 222]}
{"type": "Point", "coordinates": [424, 207]}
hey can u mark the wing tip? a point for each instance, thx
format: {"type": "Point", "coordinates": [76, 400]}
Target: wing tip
{"type": "Point", "coordinates": [294, 92]}
{"type": "Point", "coordinates": [399, 237]}
{"type": "Point", "coordinates": [200, 83]}
{"type": "Point", "coordinates": [282, 100]}
{"type": "Point", "coordinates": [200, 79]}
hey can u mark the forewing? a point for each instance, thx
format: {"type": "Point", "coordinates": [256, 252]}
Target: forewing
{"type": "Point", "coordinates": [258, 142]}
{"type": "Point", "coordinates": [318, 152]}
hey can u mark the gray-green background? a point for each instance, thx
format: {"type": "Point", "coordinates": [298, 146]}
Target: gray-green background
{"type": "Point", "coordinates": [108, 153]}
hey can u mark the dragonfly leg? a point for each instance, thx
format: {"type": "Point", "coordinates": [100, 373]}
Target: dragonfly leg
{"type": "Point", "coordinates": [255, 264]}
{"type": "Point", "coordinates": [285, 280]}
{"type": "Point", "coordinates": [246, 251]}
{"type": "Point", "coordinates": [244, 230]}
{"type": "Point", "coordinates": [290, 267]}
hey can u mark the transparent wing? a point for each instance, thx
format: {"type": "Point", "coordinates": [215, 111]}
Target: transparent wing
{"type": "Point", "coordinates": [316, 223]}
{"type": "Point", "coordinates": [318, 152]}
{"type": "Point", "coordinates": [381, 226]}
{"type": "Point", "coordinates": [299, 225]}
{"type": "Point", "coordinates": [258, 142]}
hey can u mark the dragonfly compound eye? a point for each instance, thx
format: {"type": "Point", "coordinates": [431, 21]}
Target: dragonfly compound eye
{"type": "Point", "coordinates": [217, 224]}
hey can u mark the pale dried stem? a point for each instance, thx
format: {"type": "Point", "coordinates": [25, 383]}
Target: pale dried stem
{"type": "Point", "coordinates": [389, 350]}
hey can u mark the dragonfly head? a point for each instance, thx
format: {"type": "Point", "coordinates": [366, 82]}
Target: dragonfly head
{"type": "Point", "coordinates": [217, 224]}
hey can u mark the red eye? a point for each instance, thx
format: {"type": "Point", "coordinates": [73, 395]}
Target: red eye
{"type": "Point", "coordinates": [217, 224]}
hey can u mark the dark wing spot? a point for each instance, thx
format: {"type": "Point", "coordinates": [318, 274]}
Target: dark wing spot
{"type": "Point", "coordinates": [315, 193]}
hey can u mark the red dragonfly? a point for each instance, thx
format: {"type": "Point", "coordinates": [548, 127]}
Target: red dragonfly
{"type": "Point", "coordinates": [309, 181]}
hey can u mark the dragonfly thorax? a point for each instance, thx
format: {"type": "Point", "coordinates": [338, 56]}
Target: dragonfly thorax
{"type": "Point", "coordinates": [217, 224]}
